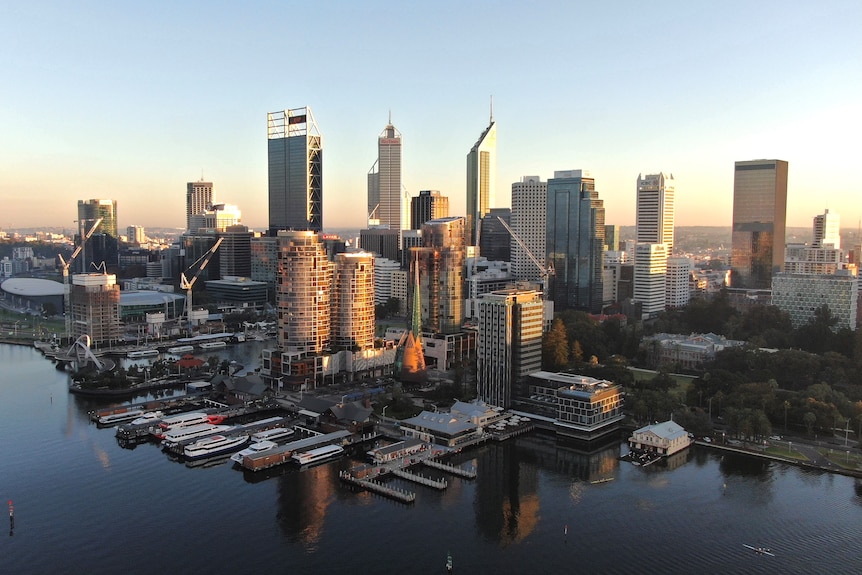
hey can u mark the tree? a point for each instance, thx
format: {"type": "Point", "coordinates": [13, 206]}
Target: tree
{"type": "Point", "coordinates": [555, 347]}
{"type": "Point", "coordinates": [809, 419]}
{"type": "Point", "coordinates": [577, 355]}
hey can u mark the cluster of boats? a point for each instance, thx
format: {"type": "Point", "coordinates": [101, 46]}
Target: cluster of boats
{"type": "Point", "coordinates": [198, 435]}
{"type": "Point", "coordinates": [176, 350]}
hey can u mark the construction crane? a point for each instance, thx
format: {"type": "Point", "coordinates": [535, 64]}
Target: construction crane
{"type": "Point", "coordinates": [546, 271]}
{"type": "Point", "coordinates": [187, 284]}
{"type": "Point", "coordinates": [67, 289]}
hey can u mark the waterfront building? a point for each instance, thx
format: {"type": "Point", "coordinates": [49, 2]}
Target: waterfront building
{"type": "Point", "coordinates": [199, 198]}
{"type": "Point", "coordinates": [353, 301]}
{"type": "Point", "coordinates": [95, 307]}
{"type": "Point", "coordinates": [529, 223]}
{"type": "Point", "coordinates": [678, 284]}
{"type": "Point", "coordinates": [303, 293]}
{"type": "Point", "coordinates": [573, 405]}
{"type": "Point", "coordinates": [428, 205]}
{"type": "Point", "coordinates": [509, 343]}
{"type": "Point", "coordinates": [574, 241]}
{"type": "Point", "coordinates": [384, 180]}
{"type": "Point", "coordinates": [495, 240]}
{"type": "Point", "coordinates": [481, 178]}
{"type": "Point", "coordinates": [662, 438]}
{"type": "Point", "coordinates": [235, 251]}
{"type": "Point", "coordinates": [799, 295]}
{"type": "Point", "coordinates": [295, 157]}
{"type": "Point", "coordinates": [759, 219]}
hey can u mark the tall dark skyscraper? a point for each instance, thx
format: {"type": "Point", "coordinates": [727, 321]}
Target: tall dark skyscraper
{"type": "Point", "coordinates": [428, 205]}
{"type": "Point", "coordinates": [759, 216]}
{"type": "Point", "coordinates": [295, 149]}
{"type": "Point", "coordinates": [574, 240]}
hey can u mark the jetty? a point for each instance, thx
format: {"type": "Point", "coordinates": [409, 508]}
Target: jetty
{"type": "Point", "coordinates": [401, 495]}
{"type": "Point", "coordinates": [427, 481]}
{"type": "Point", "coordinates": [459, 471]}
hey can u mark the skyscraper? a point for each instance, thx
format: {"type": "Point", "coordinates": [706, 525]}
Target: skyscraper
{"type": "Point", "coordinates": [654, 235]}
{"type": "Point", "coordinates": [441, 275]}
{"type": "Point", "coordinates": [509, 343]}
{"type": "Point", "coordinates": [574, 240]}
{"type": "Point", "coordinates": [494, 241]}
{"type": "Point", "coordinates": [384, 180]}
{"type": "Point", "coordinates": [199, 198]}
{"type": "Point", "coordinates": [759, 214]}
{"type": "Point", "coordinates": [95, 307]}
{"type": "Point", "coordinates": [295, 150]}
{"type": "Point", "coordinates": [303, 293]}
{"type": "Point", "coordinates": [428, 205]}
{"type": "Point", "coordinates": [353, 301]}
{"type": "Point", "coordinates": [91, 210]}
{"type": "Point", "coordinates": [481, 178]}
{"type": "Point", "coordinates": [529, 221]}
{"type": "Point", "coordinates": [827, 230]}
{"type": "Point", "coordinates": [654, 218]}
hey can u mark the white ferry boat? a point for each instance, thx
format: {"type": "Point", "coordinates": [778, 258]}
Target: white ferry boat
{"type": "Point", "coordinates": [214, 445]}
{"type": "Point", "coordinates": [318, 455]}
{"type": "Point", "coordinates": [174, 436]}
{"type": "Point", "coordinates": [148, 417]}
{"type": "Point", "coordinates": [213, 345]}
{"type": "Point", "coordinates": [253, 449]}
{"type": "Point", "coordinates": [187, 419]}
{"type": "Point", "coordinates": [181, 349]}
{"type": "Point", "coordinates": [273, 434]}
{"type": "Point", "coordinates": [112, 418]}
{"type": "Point", "coordinates": [139, 353]}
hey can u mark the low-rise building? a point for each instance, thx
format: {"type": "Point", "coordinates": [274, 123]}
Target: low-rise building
{"type": "Point", "coordinates": [675, 351]}
{"type": "Point", "coordinates": [661, 438]}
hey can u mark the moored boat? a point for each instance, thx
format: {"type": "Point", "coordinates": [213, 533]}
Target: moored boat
{"type": "Point", "coordinates": [139, 353]}
{"type": "Point", "coordinates": [174, 437]}
{"type": "Point", "coordinates": [181, 349]}
{"type": "Point", "coordinates": [119, 417]}
{"type": "Point", "coordinates": [214, 445]}
{"type": "Point", "coordinates": [273, 434]}
{"type": "Point", "coordinates": [318, 455]}
{"type": "Point", "coordinates": [253, 449]}
{"type": "Point", "coordinates": [148, 417]}
{"type": "Point", "coordinates": [213, 345]}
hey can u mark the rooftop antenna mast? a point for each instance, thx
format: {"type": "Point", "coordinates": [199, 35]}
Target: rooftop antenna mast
{"type": "Point", "coordinates": [492, 108]}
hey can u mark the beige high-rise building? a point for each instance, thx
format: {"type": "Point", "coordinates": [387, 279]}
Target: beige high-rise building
{"type": "Point", "coordinates": [353, 301]}
{"type": "Point", "coordinates": [441, 274]}
{"type": "Point", "coordinates": [481, 178]}
{"type": "Point", "coordinates": [528, 223]}
{"type": "Point", "coordinates": [655, 209]}
{"type": "Point", "coordinates": [384, 181]}
{"type": "Point", "coordinates": [303, 293]}
{"type": "Point", "coordinates": [199, 198]}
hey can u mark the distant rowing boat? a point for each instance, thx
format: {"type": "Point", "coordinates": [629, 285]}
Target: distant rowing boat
{"type": "Point", "coordinates": [760, 550]}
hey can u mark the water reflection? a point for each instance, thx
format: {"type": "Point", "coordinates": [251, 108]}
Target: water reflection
{"type": "Point", "coordinates": [303, 500]}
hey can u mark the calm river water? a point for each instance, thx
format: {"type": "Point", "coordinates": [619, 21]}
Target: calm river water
{"type": "Point", "coordinates": [83, 504]}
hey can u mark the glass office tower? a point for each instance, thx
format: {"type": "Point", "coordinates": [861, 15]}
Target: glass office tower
{"type": "Point", "coordinates": [759, 214]}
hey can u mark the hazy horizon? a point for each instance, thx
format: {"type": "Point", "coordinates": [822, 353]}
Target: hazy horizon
{"type": "Point", "coordinates": [131, 102]}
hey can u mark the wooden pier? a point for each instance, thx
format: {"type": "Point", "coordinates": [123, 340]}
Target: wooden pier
{"type": "Point", "coordinates": [398, 494]}
{"type": "Point", "coordinates": [427, 481]}
{"type": "Point", "coordinates": [459, 471]}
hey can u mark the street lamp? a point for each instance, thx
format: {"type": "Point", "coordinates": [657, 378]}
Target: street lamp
{"type": "Point", "coordinates": [384, 411]}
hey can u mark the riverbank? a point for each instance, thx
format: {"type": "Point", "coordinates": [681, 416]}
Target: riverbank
{"type": "Point", "coordinates": [813, 458]}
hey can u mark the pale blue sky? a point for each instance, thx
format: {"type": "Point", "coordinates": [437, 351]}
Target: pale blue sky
{"type": "Point", "coordinates": [130, 101]}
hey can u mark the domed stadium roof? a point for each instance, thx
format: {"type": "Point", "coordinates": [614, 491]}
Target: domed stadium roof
{"type": "Point", "coordinates": [32, 287]}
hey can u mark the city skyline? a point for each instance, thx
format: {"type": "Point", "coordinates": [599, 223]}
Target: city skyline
{"type": "Point", "coordinates": [97, 107]}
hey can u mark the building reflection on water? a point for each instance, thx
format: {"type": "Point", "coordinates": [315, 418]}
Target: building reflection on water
{"type": "Point", "coordinates": [303, 499]}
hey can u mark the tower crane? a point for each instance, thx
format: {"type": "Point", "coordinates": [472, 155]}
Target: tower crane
{"type": "Point", "coordinates": [67, 289]}
{"type": "Point", "coordinates": [546, 271]}
{"type": "Point", "coordinates": [187, 284]}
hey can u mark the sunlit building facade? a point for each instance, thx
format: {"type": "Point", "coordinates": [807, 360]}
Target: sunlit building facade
{"type": "Point", "coordinates": [95, 307]}
{"type": "Point", "coordinates": [528, 223]}
{"type": "Point", "coordinates": [199, 198]}
{"type": "Point", "coordinates": [353, 301]}
{"type": "Point", "coordinates": [384, 180]}
{"type": "Point", "coordinates": [759, 219]}
{"type": "Point", "coordinates": [441, 274]}
{"type": "Point", "coordinates": [481, 178]}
